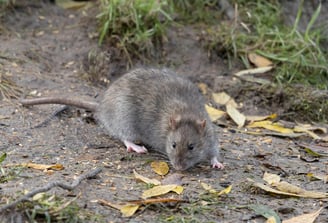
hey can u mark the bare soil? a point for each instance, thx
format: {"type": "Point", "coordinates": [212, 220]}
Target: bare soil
{"type": "Point", "coordinates": [44, 50]}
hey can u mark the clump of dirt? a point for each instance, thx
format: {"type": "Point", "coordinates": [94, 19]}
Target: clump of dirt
{"type": "Point", "coordinates": [51, 50]}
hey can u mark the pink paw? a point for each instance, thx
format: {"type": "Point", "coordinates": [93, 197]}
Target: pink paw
{"type": "Point", "coordinates": [216, 164]}
{"type": "Point", "coordinates": [131, 147]}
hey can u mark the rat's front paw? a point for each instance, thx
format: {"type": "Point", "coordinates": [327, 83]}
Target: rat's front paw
{"type": "Point", "coordinates": [216, 164]}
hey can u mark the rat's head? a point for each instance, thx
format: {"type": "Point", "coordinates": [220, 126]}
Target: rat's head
{"type": "Point", "coordinates": [186, 144]}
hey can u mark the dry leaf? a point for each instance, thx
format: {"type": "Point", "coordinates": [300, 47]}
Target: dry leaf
{"type": "Point", "coordinates": [155, 201]}
{"type": "Point", "coordinates": [43, 166]}
{"type": "Point", "coordinates": [259, 61]}
{"type": "Point", "coordinates": [258, 70]}
{"type": "Point", "coordinates": [159, 190]}
{"type": "Point", "coordinates": [69, 4]}
{"type": "Point", "coordinates": [203, 88]}
{"type": "Point", "coordinates": [126, 209]}
{"type": "Point", "coordinates": [208, 188]}
{"type": "Point", "coordinates": [284, 188]}
{"type": "Point", "coordinates": [129, 209]}
{"type": "Point", "coordinates": [271, 178]}
{"type": "Point", "coordinates": [160, 167]}
{"type": "Point", "coordinates": [310, 133]}
{"type": "Point", "coordinates": [224, 99]}
{"type": "Point", "coordinates": [235, 115]}
{"type": "Point", "coordinates": [322, 177]}
{"type": "Point", "coordinates": [271, 220]}
{"type": "Point", "coordinates": [178, 189]}
{"type": "Point", "coordinates": [253, 118]}
{"type": "Point", "coordinates": [214, 113]}
{"type": "Point", "coordinates": [225, 191]}
{"type": "Point", "coordinates": [145, 179]}
{"type": "Point", "coordinates": [213, 191]}
{"type": "Point", "coordinates": [271, 126]}
{"type": "Point", "coordinates": [304, 218]}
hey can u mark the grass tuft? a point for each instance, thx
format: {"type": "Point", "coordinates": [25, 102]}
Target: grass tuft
{"type": "Point", "coordinates": [298, 57]}
{"type": "Point", "coordinates": [137, 27]}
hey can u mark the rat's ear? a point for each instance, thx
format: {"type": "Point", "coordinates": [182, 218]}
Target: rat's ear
{"type": "Point", "coordinates": [201, 124]}
{"type": "Point", "coordinates": [174, 121]}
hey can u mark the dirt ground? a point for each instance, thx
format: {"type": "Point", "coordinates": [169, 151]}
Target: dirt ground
{"type": "Point", "coordinates": [43, 49]}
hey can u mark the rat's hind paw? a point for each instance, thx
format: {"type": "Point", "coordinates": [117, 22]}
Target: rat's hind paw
{"type": "Point", "coordinates": [130, 147]}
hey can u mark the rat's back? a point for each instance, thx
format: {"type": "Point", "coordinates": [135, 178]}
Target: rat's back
{"type": "Point", "coordinates": [139, 105]}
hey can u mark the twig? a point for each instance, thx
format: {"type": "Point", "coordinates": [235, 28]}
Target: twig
{"type": "Point", "coordinates": [50, 185]}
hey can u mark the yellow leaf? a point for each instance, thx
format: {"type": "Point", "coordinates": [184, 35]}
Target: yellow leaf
{"type": "Point", "coordinates": [235, 115]}
{"type": "Point", "coordinates": [271, 220]}
{"type": "Point", "coordinates": [43, 166]}
{"type": "Point", "coordinates": [158, 190]}
{"type": "Point", "coordinates": [223, 99]}
{"type": "Point", "coordinates": [271, 126]}
{"type": "Point", "coordinates": [179, 189]}
{"type": "Point", "coordinates": [145, 179]}
{"type": "Point", "coordinates": [271, 178]}
{"type": "Point", "coordinates": [203, 88]}
{"type": "Point", "coordinates": [259, 61]}
{"type": "Point", "coordinates": [214, 113]}
{"type": "Point", "coordinates": [129, 209]}
{"type": "Point", "coordinates": [254, 118]}
{"type": "Point", "coordinates": [306, 194]}
{"type": "Point", "coordinates": [304, 218]}
{"type": "Point", "coordinates": [160, 167]}
{"type": "Point", "coordinates": [225, 191]}
{"type": "Point", "coordinates": [208, 188]}
{"type": "Point", "coordinates": [305, 130]}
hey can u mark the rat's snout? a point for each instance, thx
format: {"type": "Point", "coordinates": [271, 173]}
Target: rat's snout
{"type": "Point", "coordinates": [180, 166]}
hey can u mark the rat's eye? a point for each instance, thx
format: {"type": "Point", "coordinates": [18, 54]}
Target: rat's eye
{"type": "Point", "coordinates": [191, 146]}
{"type": "Point", "coordinates": [174, 145]}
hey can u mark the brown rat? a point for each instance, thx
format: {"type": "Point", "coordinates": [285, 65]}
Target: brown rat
{"type": "Point", "coordinates": [157, 107]}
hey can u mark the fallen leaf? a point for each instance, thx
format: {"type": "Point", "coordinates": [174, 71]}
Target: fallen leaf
{"type": "Point", "coordinates": [178, 189]}
{"type": "Point", "coordinates": [271, 126]}
{"type": "Point", "coordinates": [68, 4]}
{"type": "Point", "coordinates": [322, 177]}
{"type": "Point", "coordinates": [155, 201]}
{"type": "Point", "coordinates": [253, 118]}
{"type": "Point", "coordinates": [235, 115]}
{"type": "Point", "coordinates": [129, 209]}
{"type": "Point", "coordinates": [208, 188]}
{"type": "Point", "coordinates": [258, 70]}
{"type": "Point", "coordinates": [160, 190]}
{"type": "Point", "coordinates": [271, 178]}
{"type": "Point", "coordinates": [214, 113]}
{"type": "Point", "coordinates": [271, 220]}
{"type": "Point", "coordinates": [160, 167]}
{"type": "Point", "coordinates": [310, 133]}
{"type": "Point", "coordinates": [265, 212]}
{"type": "Point", "coordinates": [43, 166]}
{"type": "Point", "coordinates": [126, 209]}
{"type": "Point", "coordinates": [145, 179]}
{"type": "Point", "coordinates": [259, 61]}
{"type": "Point", "coordinates": [304, 218]}
{"type": "Point", "coordinates": [284, 188]}
{"type": "Point", "coordinates": [203, 88]}
{"type": "Point", "coordinates": [223, 98]}
{"type": "Point", "coordinates": [225, 191]}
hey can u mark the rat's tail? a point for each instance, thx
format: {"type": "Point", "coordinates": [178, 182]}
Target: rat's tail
{"type": "Point", "coordinates": [88, 105]}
